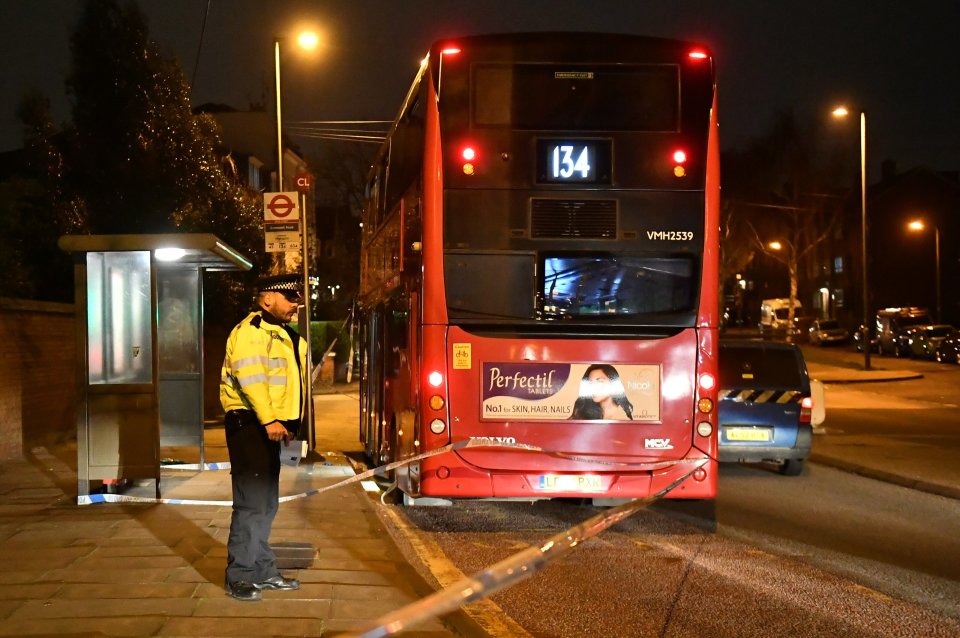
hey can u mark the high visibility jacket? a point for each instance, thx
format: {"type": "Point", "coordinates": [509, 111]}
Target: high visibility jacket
{"type": "Point", "coordinates": [263, 372]}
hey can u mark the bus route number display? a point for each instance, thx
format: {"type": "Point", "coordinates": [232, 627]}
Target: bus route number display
{"type": "Point", "coordinates": [572, 161]}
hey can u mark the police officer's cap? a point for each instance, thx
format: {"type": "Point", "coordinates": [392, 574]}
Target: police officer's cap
{"type": "Point", "coordinates": [281, 283]}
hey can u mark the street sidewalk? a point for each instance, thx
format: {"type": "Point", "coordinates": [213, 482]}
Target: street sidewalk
{"type": "Point", "coordinates": [891, 459]}
{"type": "Point", "coordinates": [130, 569]}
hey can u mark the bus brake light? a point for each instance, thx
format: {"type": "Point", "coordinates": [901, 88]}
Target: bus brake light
{"type": "Point", "coordinates": [435, 379]}
{"type": "Point", "coordinates": [450, 50]}
{"type": "Point", "coordinates": [679, 159]}
{"type": "Point", "coordinates": [469, 154]}
{"type": "Point", "coordinates": [697, 54]}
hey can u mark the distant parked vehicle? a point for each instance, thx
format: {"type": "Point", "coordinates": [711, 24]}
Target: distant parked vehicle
{"type": "Point", "coordinates": [775, 313]}
{"type": "Point", "coordinates": [924, 341]}
{"type": "Point", "coordinates": [858, 340]}
{"type": "Point", "coordinates": [892, 323]}
{"type": "Point", "coordinates": [948, 350]}
{"type": "Point", "coordinates": [827, 331]}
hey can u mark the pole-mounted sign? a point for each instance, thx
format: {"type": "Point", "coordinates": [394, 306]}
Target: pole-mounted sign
{"type": "Point", "coordinates": [281, 222]}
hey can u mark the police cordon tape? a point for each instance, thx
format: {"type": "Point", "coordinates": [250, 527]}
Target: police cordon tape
{"type": "Point", "coordinates": [473, 442]}
{"type": "Point", "coordinates": [509, 571]}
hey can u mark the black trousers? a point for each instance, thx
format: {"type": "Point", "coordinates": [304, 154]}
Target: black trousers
{"type": "Point", "coordinates": [255, 474]}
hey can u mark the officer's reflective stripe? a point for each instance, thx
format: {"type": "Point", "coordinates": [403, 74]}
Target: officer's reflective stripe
{"type": "Point", "coordinates": [277, 363]}
{"type": "Point", "coordinates": [762, 396]}
{"type": "Point", "coordinates": [278, 380]}
{"type": "Point", "coordinates": [249, 380]}
{"type": "Point", "coordinates": [248, 361]}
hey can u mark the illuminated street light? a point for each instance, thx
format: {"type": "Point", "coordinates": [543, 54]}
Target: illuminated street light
{"type": "Point", "coordinates": [917, 226]}
{"type": "Point", "coordinates": [840, 112]}
{"type": "Point", "coordinates": [774, 245]}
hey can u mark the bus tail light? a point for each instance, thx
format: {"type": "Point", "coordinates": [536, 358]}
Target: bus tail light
{"type": "Point", "coordinates": [806, 409]}
{"type": "Point", "coordinates": [437, 426]}
{"type": "Point", "coordinates": [705, 405]}
{"type": "Point", "coordinates": [698, 54]}
{"type": "Point", "coordinates": [704, 428]}
{"type": "Point", "coordinates": [468, 155]}
{"type": "Point", "coordinates": [679, 158]}
{"type": "Point", "coordinates": [435, 379]}
{"type": "Point", "coordinates": [436, 402]}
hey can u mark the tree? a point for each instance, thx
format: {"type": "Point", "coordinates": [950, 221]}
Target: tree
{"type": "Point", "coordinates": [778, 186]}
{"type": "Point", "coordinates": [341, 173]}
{"type": "Point", "coordinates": [137, 157]}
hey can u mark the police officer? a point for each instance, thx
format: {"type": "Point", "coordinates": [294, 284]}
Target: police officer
{"type": "Point", "coordinates": [262, 389]}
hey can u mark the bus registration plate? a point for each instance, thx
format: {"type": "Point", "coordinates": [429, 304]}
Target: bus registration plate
{"type": "Point", "coordinates": [571, 482]}
{"type": "Point", "coordinates": [748, 434]}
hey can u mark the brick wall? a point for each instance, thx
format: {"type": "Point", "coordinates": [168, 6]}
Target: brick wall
{"type": "Point", "coordinates": [38, 391]}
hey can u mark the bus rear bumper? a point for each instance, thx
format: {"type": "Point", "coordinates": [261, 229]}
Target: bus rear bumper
{"type": "Point", "coordinates": [448, 476]}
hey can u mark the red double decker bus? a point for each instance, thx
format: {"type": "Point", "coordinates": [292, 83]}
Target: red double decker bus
{"type": "Point", "coordinates": [539, 271]}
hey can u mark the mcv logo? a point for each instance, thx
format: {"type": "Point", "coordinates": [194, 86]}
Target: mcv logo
{"type": "Point", "coordinates": [657, 444]}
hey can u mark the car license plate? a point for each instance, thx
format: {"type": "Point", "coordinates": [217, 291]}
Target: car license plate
{"type": "Point", "coordinates": [748, 434]}
{"type": "Point", "coordinates": [571, 482]}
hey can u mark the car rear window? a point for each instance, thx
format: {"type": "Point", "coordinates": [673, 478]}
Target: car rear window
{"type": "Point", "coordinates": [745, 367]}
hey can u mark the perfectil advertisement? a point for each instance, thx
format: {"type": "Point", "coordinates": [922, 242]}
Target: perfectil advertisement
{"type": "Point", "coordinates": [576, 391]}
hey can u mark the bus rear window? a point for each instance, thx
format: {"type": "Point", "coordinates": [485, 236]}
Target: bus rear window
{"type": "Point", "coordinates": [572, 97]}
{"type": "Point", "coordinates": [605, 285]}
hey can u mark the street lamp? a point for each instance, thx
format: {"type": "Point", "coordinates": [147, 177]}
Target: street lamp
{"type": "Point", "coordinates": [841, 111]}
{"type": "Point", "coordinates": [916, 226]}
{"type": "Point", "coordinates": [306, 40]}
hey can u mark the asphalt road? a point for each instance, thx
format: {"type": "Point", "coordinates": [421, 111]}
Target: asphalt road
{"type": "Point", "coordinates": [824, 554]}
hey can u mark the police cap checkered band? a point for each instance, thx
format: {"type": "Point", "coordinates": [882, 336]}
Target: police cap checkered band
{"type": "Point", "coordinates": [281, 283]}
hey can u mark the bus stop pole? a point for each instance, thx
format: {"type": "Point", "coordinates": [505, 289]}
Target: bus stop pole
{"type": "Point", "coordinates": [311, 437]}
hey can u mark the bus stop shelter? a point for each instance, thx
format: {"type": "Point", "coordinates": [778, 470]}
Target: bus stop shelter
{"type": "Point", "coordinates": [139, 305]}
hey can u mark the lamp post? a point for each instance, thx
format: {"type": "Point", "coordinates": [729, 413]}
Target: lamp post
{"type": "Point", "coordinates": [842, 111]}
{"type": "Point", "coordinates": [306, 40]}
{"type": "Point", "coordinates": [917, 225]}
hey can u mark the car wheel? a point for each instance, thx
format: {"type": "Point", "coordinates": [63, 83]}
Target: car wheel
{"type": "Point", "coordinates": [791, 467]}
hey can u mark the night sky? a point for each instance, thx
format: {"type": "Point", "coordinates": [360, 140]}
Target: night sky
{"type": "Point", "coordinates": [896, 60]}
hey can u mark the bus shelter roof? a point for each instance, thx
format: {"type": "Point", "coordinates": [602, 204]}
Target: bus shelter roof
{"type": "Point", "coordinates": [201, 250]}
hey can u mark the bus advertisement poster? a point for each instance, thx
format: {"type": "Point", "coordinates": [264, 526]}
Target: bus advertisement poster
{"type": "Point", "coordinates": [578, 391]}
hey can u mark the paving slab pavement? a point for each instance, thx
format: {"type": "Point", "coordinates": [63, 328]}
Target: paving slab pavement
{"type": "Point", "coordinates": [135, 569]}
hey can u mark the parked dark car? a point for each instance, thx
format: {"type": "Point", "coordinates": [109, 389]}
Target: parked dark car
{"type": "Point", "coordinates": [924, 341]}
{"type": "Point", "coordinates": [765, 404]}
{"type": "Point", "coordinates": [948, 350]}
{"type": "Point", "coordinates": [901, 343]}
{"type": "Point", "coordinates": [826, 331]}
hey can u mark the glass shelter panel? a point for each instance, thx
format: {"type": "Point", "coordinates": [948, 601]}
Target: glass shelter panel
{"type": "Point", "coordinates": [119, 331]}
{"type": "Point", "coordinates": [179, 321]}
